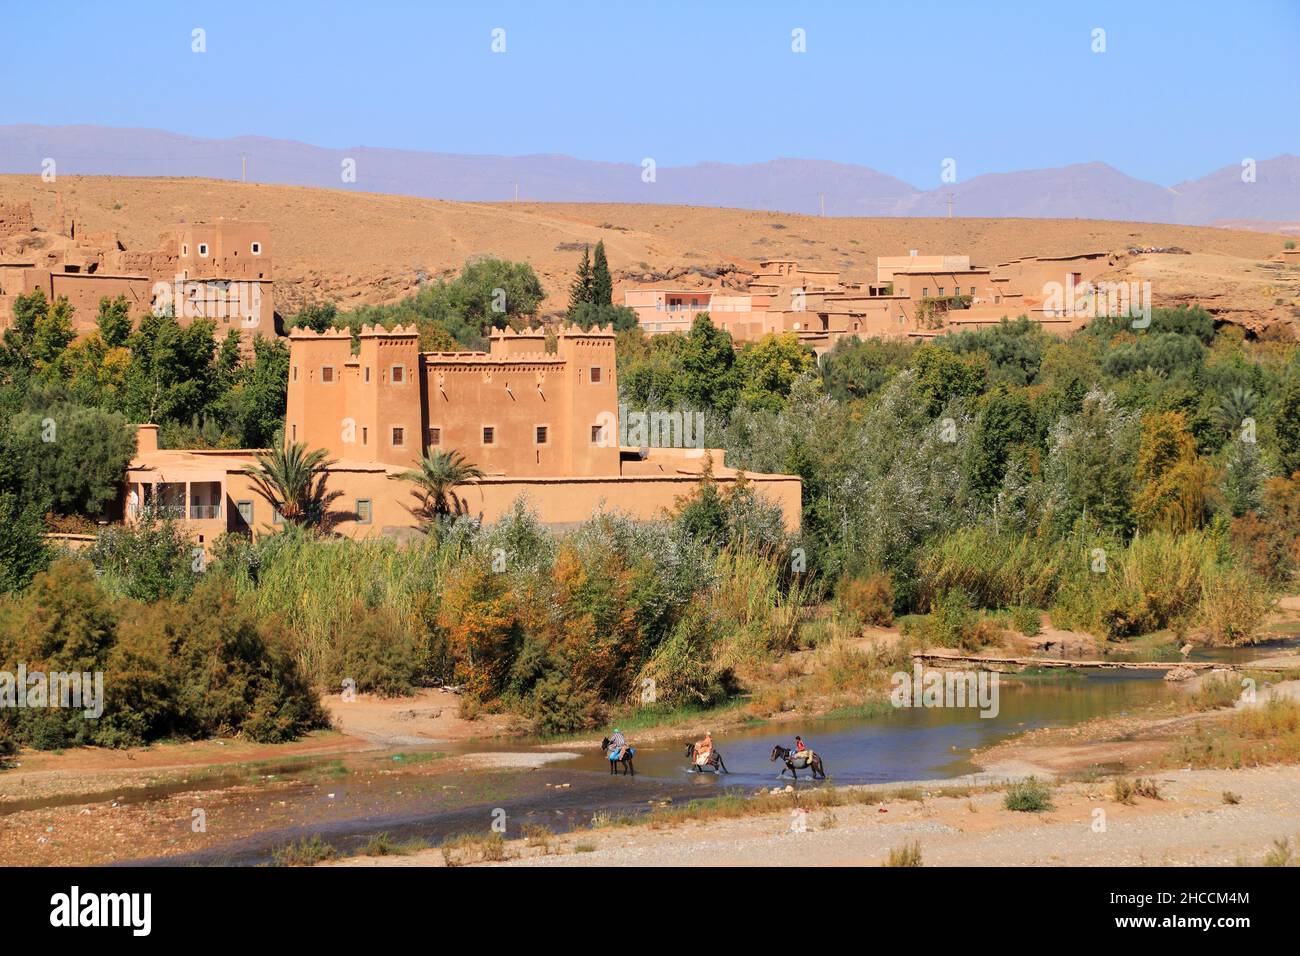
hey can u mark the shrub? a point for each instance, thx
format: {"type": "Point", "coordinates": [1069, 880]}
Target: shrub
{"type": "Point", "coordinates": [869, 600]}
{"type": "Point", "coordinates": [1028, 796]}
{"type": "Point", "coordinates": [381, 844]}
{"type": "Point", "coordinates": [377, 651]}
{"type": "Point", "coordinates": [560, 706]}
{"type": "Point", "coordinates": [1233, 605]}
{"type": "Point", "coordinates": [683, 669]}
{"type": "Point", "coordinates": [909, 854]}
{"type": "Point", "coordinates": [952, 623]}
{"type": "Point", "coordinates": [1281, 853]}
{"type": "Point", "coordinates": [306, 852]}
{"type": "Point", "coordinates": [148, 560]}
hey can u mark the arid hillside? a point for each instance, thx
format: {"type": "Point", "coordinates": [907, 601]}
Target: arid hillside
{"type": "Point", "coordinates": [357, 248]}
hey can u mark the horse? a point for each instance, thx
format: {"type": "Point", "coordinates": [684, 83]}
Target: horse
{"type": "Point", "coordinates": [812, 761]}
{"type": "Point", "coordinates": [714, 762]}
{"type": "Point", "coordinates": [625, 758]}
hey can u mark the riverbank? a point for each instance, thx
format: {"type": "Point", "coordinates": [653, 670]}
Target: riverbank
{"type": "Point", "coordinates": [1204, 818]}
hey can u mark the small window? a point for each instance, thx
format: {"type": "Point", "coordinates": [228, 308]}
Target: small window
{"type": "Point", "coordinates": [398, 374]}
{"type": "Point", "coordinates": [367, 374]}
{"type": "Point", "coordinates": [598, 434]}
{"type": "Point", "coordinates": [293, 432]}
{"type": "Point", "coordinates": [363, 511]}
{"type": "Point", "coordinates": [365, 435]}
{"type": "Point", "coordinates": [972, 292]}
{"type": "Point", "coordinates": [327, 374]}
{"type": "Point", "coordinates": [257, 248]}
{"type": "Point", "coordinates": [435, 436]}
{"type": "Point", "coordinates": [541, 434]}
{"type": "Point", "coordinates": [489, 435]}
{"type": "Point", "coordinates": [203, 249]}
{"type": "Point", "coordinates": [399, 436]}
{"type": "Point", "coordinates": [185, 249]}
{"type": "Point", "coordinates": [276, 517]}
{"type": "Point", "coordinates": [295, 373]}
{"type": "Point", "coordinates": [941, 292]}
{"type": "Point", "coordinates": [595, 375]}
{"type": "Point", "coordinates": [245, 512]}
{"type": "Point", "coordinates": [925, 293]}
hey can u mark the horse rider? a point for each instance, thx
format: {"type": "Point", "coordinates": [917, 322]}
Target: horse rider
{"type": "Point", "coordinates": [704, 748]}
{"type": "Point", "coordinates": [617, 743]}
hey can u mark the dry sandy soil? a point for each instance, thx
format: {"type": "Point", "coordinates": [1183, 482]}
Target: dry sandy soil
{"type": "Point", "coordinates": [363, 247]}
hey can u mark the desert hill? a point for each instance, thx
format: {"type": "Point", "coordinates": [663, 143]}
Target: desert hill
{"type": "Point", "coordinates": [1091, 189]}
{"type": "Point", "coordinates": [367, 247]}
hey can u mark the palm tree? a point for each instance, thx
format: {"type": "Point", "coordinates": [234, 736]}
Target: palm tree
{"type": "Point", "coordinates": [293, 480]}
{"type": "Point", "coordinates": [436, 480]}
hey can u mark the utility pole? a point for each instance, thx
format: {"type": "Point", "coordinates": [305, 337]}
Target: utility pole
{"type": "Point", "coordinates": [243, 167]}
{"type": "Point", "coordinates": [950, 205]}
{"type": "Point", "coordinates": [821, 199]}
{"type": "Point", "coordinates": [516, 190]}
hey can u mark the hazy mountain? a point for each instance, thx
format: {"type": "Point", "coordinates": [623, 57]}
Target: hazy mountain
{"type": "Point", "coordinates": [1086, 190]}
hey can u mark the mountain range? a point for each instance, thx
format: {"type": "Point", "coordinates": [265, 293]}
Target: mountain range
{"type": "Point", "coordinates": [1090, 190]}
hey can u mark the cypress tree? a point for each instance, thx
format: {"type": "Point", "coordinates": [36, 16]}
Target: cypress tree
{"type": "Point", "coordinates": [602, 286]}
{"type": "Point", "coordinates": [580, 291]}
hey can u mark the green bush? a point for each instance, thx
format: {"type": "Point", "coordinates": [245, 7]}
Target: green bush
{"type": "Point", "coordinates": [1028, 796]}
{"type": "Point", "coordinates": [377, 652]}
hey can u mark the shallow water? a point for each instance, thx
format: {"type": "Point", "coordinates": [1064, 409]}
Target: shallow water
{"type": "Point", "coordinates": [925, 743]}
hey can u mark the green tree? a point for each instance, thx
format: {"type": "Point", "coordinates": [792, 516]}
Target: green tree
{"type": "Point", "coordinates": [68, 458]}
{"type": "Point", "coordinates": [23, 551]}
{"type": "Point", "coordinates": [1088, 470]}
{"type": "Point", "coordinates": [1005, 422]}
{"type": "Point", "coordinates": [293, 481]}
{"type": "Point", "coordinates": [114, 320]}
{"type": "Point", "coordinates": [53, 333]}
{"type": "Point", "coordinates": [436, 480]}
{"type": "Point", "coordinates": [172, 374]}
{"type": "Point", "coordinates": [707, 377]}
{"type": "Point", "coordinates": [252, 408]}
{"type": "Point", "coordinates": [1287, 421]}
{"type": "Point", "coordinates": [942, 376]}
{"type": "Point", "coordinates": [767, 369]}
{"type": "Point", "coordinates": [581, 287]}
{"type": "Point", "coordinates": [602, 284]}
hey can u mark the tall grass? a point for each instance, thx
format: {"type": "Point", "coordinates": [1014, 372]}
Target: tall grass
{"type": "Point", "coordinates": [758, 606]}
{"type": "Point", "coordinates": [1162, 580]}
{"type": "Point", "coordinates": [995, 570]}
{"type": "Point", "coordinates": [315, 584]}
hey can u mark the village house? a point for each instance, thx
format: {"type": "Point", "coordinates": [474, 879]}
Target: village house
{"type": "Point", "coordinates": [219, 271]}
{"type": "Point", "coordinates": [541, 424]}
{"type": "Point", "coordinates": [913, 296]}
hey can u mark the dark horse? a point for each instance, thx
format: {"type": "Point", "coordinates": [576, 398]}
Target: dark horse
{"type": "Point", "coordinates": [714, 762]}
{"type": "Point", "coordinates": [811, 761]}
{"type": "Point", "coordinates": [625, 758]}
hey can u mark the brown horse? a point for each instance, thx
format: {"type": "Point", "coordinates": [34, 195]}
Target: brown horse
{"type": "Point", "coordinates": [811, 760]}
{"type": "Point", "coordinates": [714, 762]}
{"type": "Point", "coordinates": [625, 758]}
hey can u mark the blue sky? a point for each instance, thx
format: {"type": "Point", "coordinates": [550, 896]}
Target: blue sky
{"type": "Point", "coordinates": [1182, 88]}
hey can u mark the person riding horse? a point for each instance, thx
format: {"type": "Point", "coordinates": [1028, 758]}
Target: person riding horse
{"type": "Point", "coordinates": [799, 758]}
{"type": "Point", "coordinates": [702, 755]}
{"type": "Point", "coordinates": [618, 752]}
{"type": "Point", "coordinates": [616, 744]}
